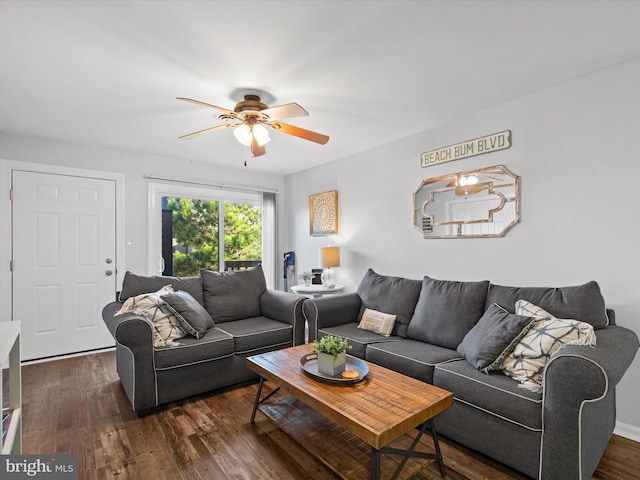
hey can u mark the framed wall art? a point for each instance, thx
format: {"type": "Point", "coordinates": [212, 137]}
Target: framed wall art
{"type": "Point", "coordinates": [323, 213]}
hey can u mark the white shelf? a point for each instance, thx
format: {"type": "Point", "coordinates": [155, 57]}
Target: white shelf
{"type": "Point", "coordinates": [10, 358]}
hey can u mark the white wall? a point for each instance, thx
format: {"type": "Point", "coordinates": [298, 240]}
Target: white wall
{"type": "Point", "coordinates": [134, 166]}
{"type": "Point", "coordinates": [574, 147]}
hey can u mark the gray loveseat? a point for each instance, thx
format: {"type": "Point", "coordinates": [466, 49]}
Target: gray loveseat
{"type": "Point", "coordinates": [557, 433]}
{"type": "Point", "coordinates": [231, 315]}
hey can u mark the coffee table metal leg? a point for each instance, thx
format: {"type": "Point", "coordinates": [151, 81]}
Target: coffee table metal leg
{"type": "Point", "coordinates": [375, 464]}
{"type": "Point", "coordinates": [258, 401]}
{"type": "Point", "coordinates": [410, 452]}
{"type": "Point", "coordinates": [436, 444]}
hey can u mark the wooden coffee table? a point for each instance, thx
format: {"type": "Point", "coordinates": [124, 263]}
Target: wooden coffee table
{"type": "Point", "coordinates": [328, 419]}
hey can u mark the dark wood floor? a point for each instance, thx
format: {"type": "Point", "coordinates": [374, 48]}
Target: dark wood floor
{"type": "Point", "coordinates": [76, 405]}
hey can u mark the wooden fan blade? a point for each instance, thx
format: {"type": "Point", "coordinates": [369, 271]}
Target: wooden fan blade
{"type": "Point", "coordinates": [300, 132]}
{"type": "Point", "coordinates": [198, 102]}
{"type": "Point", "coordinates": [208, 130]}
{"type": "Point", "coordinates": [288, 110]}
{"type": "Point", "coordinates": [257, 150]}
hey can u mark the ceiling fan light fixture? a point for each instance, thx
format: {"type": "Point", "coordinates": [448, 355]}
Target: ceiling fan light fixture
{"type": "Point", "coordinates": [261, 135]}
{"type": "Point", "coordinates": [243, 134]}
{"type": "Point", "coordinates": [468, 180]}
{"type": "Point", "coordinates": [252, 116]}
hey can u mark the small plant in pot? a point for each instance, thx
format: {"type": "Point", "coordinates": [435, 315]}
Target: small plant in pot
{"type": "Point", "coordinates": [332, 354]}
{"type": "Point", "coordinates": [307, 277]}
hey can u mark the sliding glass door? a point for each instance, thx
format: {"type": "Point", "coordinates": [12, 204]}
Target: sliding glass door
{"type": "Point", "coordinates": [193, 228]}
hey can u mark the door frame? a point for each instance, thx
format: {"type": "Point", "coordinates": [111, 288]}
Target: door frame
{"type": "Point", "coordinates": [6, 233]}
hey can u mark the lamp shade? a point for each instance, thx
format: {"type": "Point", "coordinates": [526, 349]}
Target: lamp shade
{"type": "Point", "coordinates": [329, 257]}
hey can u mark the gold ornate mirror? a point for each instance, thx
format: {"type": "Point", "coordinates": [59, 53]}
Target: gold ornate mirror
{"type": "Point", "coordinates": [475, 203]}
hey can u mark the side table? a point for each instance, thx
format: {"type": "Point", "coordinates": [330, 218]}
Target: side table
{"type": "Point", "coordinates": [315, 291]}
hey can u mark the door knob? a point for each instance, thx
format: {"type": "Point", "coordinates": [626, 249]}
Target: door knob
{"type": "Point", "coordinates": [109, 260]}
{"type": "Point", "coordinates": [108, 272]}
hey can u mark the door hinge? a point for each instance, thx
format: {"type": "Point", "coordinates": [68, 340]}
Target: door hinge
{"type": "Point", "coordinates": [11, 194]}
{"type": "Point", "coordinates": [11, 265]}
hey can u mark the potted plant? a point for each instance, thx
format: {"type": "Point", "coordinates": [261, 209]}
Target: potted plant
{"type": "Point", "coordinates": [307, 277]}
{"type": "Point", "coordinates": [332, 354]}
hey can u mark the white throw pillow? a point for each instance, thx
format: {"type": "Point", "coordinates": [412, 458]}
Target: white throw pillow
{"type": "Point", "coordinates": [377, 322]}
{"type": "Point", "coordinates": [547, 335]}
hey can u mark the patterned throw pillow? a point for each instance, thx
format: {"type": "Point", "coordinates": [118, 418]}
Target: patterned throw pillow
{"type": "Point", "coordinates": [547, 335]}
{"type": "Point", "coordinates": [377, 322]}
{"type": "Point", "coordinates": [150, 305]}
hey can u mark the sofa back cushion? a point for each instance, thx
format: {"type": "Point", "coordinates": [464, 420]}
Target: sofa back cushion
{"type": "Point", "coordinates": [233, 295]}
{"type": "Point", "coordinates": [582, 302]}
{"type": "Point", "coordinates": [393, 295]}
{"type": "Point", "coordinates": [134, 285]}
{"type": "Point", "coordinates": [447, 310]}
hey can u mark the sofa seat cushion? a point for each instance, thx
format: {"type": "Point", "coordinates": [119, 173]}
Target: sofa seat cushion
{"type": "Point", "coordinates": [357, 337]}
{"type": "Point", "coordinates": [213, 345]}
{"type": "Point", "coordinates": [494, 393]}
{"type": "Point", "coordinates": [582, 302]}
{"type": "Point", "coordinates": [257, 333]}
{"type": "Point", "coordinates": [447, 310]}
{"type": "Point", "coordinates": [394, 295]}
{"type": "Point", "coordinates": [410, 357]}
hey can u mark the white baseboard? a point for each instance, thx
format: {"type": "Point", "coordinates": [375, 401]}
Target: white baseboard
{"type": "Point", "coordinates": [627, 431]}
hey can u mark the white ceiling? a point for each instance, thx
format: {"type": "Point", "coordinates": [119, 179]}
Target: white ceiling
{"type": "Point", "coordinates": [107, 73]}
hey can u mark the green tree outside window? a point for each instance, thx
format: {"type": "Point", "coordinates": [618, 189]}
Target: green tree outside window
{"type": "Point", "coordinates": [196, 239]}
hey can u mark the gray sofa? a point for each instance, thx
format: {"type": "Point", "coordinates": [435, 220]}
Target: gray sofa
{"type": "Point", "coordinates": [559, 433]}
{"type": "Point", "coordinates": [242, 318]}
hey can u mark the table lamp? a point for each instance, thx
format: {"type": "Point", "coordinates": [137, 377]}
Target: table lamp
{"type": "Point", "coordinates": [329, 258]}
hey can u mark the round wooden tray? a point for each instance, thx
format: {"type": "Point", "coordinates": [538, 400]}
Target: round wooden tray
{"type": "Point", "coordinates": [309, 365]}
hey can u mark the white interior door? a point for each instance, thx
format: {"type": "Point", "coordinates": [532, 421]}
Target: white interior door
{"type": "Point", "coordinates": [63, 260]}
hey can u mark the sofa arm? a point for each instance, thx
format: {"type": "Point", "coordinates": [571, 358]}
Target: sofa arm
{"type": "Point", "coordinates": [287, 308]}
{"type": "Point", "coordinates": [131, 330]}
{"type": "Point", "coordinates": [134, 355]}
{"type": "Point", "coordinates": [330, 311]}
{"type": "Point", "coordinates": [579, 402]}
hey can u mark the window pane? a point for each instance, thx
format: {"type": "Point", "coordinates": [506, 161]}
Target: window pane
{"type": "Point", "coordinates": [193, 229]}
{"type": "Point", "coordinates": [242, 235]}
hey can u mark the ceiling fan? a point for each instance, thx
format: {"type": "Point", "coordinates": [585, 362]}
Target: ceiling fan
{"type": "Point", "coordinates": [250, 117]}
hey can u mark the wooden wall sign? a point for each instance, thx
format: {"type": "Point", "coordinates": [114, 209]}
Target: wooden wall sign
{"type": "Point", "coordinates": [470, 148]}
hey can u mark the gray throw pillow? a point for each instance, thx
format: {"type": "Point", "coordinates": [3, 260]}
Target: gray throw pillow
{"type": "Point", "coordinates": [233, 295]}
{"type": "Point", "coordinates": [446, 311]}
{"type": "Point", "coordinates": [134, 285]}
{"type": "Point", "coordinates": [494, 337]}
{"type": "Point", "coordinates": [191, 315]}
{"type": "Point", "coordinates": [393, 295]}
{"type": "Point", "coordinates": [582, 302]}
